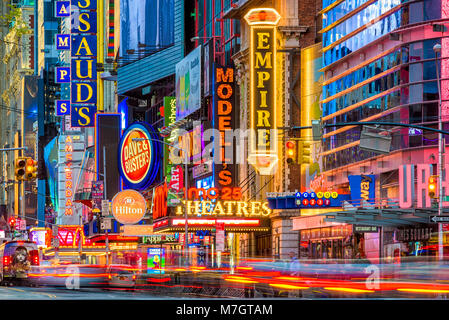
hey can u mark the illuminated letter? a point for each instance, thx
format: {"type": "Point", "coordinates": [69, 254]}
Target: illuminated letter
{"type": "Point", "coordinates": [89, 69]}
{"type": "Point", "coordinates": [261, 77]}
{"type": "Point", "coordinates": [265, 61]}
{"type": "Point", "coordinates": [78, 91]}
{"type": "Point", "coordinates": [84, 45]}
{"type": "Point", "coordinates": [84, 116]}
{"type": "Point", "coordinates": [228, 77]}
{"type": "Point", "coordinates": [85, 22]}
{"type": "Point", "coordinates": [262, 118]}
{"type": "Point", "coordinates": [262, 38]}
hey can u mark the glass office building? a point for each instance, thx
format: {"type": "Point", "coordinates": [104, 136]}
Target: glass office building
{"type": "Point", "coordinates": [379, 65]}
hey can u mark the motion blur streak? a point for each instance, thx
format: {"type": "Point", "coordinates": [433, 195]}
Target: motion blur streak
{"type": "Point", "coordinates": [287, 286]}
{"type": "Point", "coordinates": [423, 290]}
{"type": "Point", "coordinates": [349, 290]}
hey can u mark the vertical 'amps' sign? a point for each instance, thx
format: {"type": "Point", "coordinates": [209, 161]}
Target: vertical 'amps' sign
{"type": "Point", "coordinates": [224, 120]}
{"type": "Point", "coordinates": [263, 137]}
{"type": "Point", "coordinates": [83, 48]}
{"type": "Point", "coordinates": [139, 156]}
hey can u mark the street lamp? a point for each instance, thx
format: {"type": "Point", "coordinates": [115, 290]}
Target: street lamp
{"type": "Point", "coordinates": [186, 160]}
{"type": "Point", "coordinates": [441, 144]}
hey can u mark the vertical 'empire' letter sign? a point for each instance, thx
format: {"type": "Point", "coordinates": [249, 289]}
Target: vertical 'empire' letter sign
{"type": "Point", "coordinates": [263, 141]}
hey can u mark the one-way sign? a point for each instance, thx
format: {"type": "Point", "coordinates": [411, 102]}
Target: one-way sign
{"type": "Point", "coordinates": [439, 219]}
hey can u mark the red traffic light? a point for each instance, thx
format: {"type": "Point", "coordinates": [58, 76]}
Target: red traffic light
{"type": "Point", "coordinates": [12, 222]}
{"type": "Point", "coordinates": [290, 144]}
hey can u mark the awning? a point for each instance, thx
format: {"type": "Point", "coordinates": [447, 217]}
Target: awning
{"type": "Point", "coordinates": [383, 217]}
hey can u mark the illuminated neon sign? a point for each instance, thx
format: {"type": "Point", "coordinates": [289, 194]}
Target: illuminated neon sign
{"type": "Point", "coordinates": [68, 176]}
{"type": "Point", "coordinates": [215, 193]}
{"type": "Point", "coordinates": [139, 160]}
{"type": "Point", "coordinates": [263, 139]}
{"type": "Point", "coordinates": [83, 63]}
{"type": "Point", "coordinates": [225, 208]}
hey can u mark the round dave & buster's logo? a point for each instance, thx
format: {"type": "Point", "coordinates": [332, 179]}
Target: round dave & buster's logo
{"type": "Point", "coordinates": [139, 156]}
{"type": "Point", "coordinates": [128, 207]}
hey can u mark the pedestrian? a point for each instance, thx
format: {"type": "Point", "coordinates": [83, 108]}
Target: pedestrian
{"type": "Point", "coordinates": [294, 272]}
{"type": "Point", "coordinates": [294, 264]}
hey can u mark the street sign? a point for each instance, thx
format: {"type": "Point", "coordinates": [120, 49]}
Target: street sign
{"type": "Point", "coordinates": [220, 237]}
{"type": "Point", "coordinates": [55, 242]}
{"type": "Point", "coordinates": [21, 224]}
{"type": "Point", "coordinates": [105, 208]}
{"type": "Point", "coordinates": [439, 219]}
{"type": "Point", "coordinates": [106, 224]}
{"type": "Point", "coordinates": [365, 229]}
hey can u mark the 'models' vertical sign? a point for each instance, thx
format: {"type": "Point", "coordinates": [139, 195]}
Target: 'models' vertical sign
{"type": "Point", "coordinates": [263, 141]}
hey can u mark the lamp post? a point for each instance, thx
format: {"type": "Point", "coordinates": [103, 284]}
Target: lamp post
{"type": "Point", "coordinates": [441, 144]}
{"type": "Point", "coordinates": [186, 160]}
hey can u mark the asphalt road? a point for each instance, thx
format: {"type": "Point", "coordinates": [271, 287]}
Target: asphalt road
{"type": "Point", "coordinates": [51, 293]}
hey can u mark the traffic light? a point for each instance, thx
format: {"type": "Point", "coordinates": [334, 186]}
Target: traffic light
{"type": "Point", "coordinates": [304, 152]}
{"type": "Point", "coordinates": [432, 187]}
{"type": "Point", "coordinates": [30, 169]}
{"type": "Point", "coordinates": [12, 223]}
{"type": "Point", "coordinates": [290, 151]}
{"type": "Point", "coordinates": [20, 168]}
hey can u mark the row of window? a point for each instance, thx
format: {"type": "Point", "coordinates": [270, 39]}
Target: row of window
{"type": "Point", "coordinates": [367, 110]}
{"type": "Point", "coordinates": [414, 72]}
{"type": "Point", "coordinates": [369, 90]}
{"type": "Point", "coordinates": [387, 62]}
{"type": "Point", "coordinates": [417, 114]}
{"type": "Point", "coordinates": [361, 39]}
{"type": "Point", "coordinates": [363, 17]}
{"type": "Point", "coordinates": [413, 12]}
{"type": "Point", "coordinates": [340, 10]}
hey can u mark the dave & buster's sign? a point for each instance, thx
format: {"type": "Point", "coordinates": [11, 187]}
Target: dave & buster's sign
{"type": "Point", "coordinates": [139, 156]}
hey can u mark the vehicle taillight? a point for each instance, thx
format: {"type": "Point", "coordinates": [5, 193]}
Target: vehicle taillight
{"type": "Point", "coordinates": [34, 255]}
{"type": "Point", "coordinates": [6, 261]}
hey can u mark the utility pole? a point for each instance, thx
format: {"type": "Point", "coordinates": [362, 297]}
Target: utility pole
{"type": "Point", "coordinates": [105, 197]}
{"type": "Point", "coordinates": [441, 145]}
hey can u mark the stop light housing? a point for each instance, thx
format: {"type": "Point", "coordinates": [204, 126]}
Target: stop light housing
{"type": "Point", "coordinates": [304, 155]}
{"type": "Point", "coordinates": [432, 187]}
{"type": "Point", "coordinates": [30, 169]}
{"type": "Point", "coordinates": [20, 170]}
{"type": "Point", "coordinates": [290, 151]}
{"type": "Point", "coordinates": [12, 223]}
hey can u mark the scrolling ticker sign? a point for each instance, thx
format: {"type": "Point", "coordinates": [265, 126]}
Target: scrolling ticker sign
{"type": "Point", "coordinates": [263, 138]}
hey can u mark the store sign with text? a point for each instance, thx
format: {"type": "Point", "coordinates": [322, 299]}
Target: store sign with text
{"type": "Point", "coordinates": [225, 122]}
{"type": "Point", "coordinates": [82, 44]}
{"type": "Point", "coordinates": [139, 156]}
{"type": "Point", "coordinates": [415, 194]}
{"type": "Point", "coordinates": [129, 207]}
{"type": "Point", "coordinates": [225, 208]}
{"type": "Point", "coordinates": [263, 140]}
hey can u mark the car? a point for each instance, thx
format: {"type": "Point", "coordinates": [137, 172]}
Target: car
{"type": "Point", "coordinates": [17, 259]}
{"type": "Point", "coordinates": [121, 276]}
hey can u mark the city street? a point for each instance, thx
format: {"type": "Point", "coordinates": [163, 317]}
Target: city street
{"type": "Point", "coordinates": [224, 149]}
{"type": "Point", "coordinates": [49, 293]}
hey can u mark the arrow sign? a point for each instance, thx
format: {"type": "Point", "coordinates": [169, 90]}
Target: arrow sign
{"type": "Point", "coordinates": [439, 219]}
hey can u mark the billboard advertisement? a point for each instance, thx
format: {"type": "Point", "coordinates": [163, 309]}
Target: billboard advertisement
{"type": "Point", "coordinates": [311, 90]}
{"type": "Point", "coordinates": [29, 101]}
{"type": "Point", "coordinates": [146, 26]}
{"type": "Point", "coordinates": [188, 84]}
{"type": "Point", "coordinates": [155, 260]}
{"type": "Point", "coordinates": [139, 156]}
